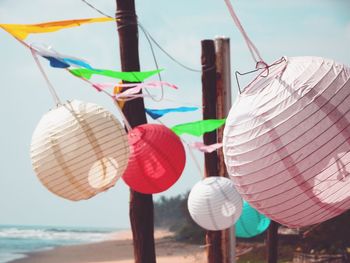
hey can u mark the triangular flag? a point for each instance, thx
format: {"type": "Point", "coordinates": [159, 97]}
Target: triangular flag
{"type": "Point", "coordinates": [198, 128]}
{"type": "Point", "coordinates": [157, 113]}
{"type": "Point", "coordinates": [127, 76]}
{"type": "Point", "coordinates": [21, 31]}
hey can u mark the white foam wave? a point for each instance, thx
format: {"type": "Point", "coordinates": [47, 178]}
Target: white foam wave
{"type": "Point", "coordinates": [46, 234]}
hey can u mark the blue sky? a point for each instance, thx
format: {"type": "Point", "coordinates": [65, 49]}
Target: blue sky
{"type": "Point", "coordinates": [278, 28]}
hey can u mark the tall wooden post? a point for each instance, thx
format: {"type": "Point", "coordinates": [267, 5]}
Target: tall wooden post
{"type": "Point", "coordinates": [272, 242]}
{"type": "Point", "coordinates": [213, 238]}
{"type": "Point", "coordinates": [141, 205]}
{"type": "Point", "coordinates": [223, 97]}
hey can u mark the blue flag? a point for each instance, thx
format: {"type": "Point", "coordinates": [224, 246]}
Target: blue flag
{"type": "Point", "coordinates": [157, 113]}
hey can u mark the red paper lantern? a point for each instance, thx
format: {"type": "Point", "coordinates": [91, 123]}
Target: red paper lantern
{"type": "Point", "coordinates": [156, 161]}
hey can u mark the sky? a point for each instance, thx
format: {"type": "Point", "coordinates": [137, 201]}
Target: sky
{"type": "Point", "coordinates": [278, 28]}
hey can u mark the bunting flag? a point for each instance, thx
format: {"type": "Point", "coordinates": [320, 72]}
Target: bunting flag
{"type": "Point", "coordinates": [118, 89]}
{"type": "Point", "coordinates": [127, 76]}
{"type": "Point", "coordinates": [58, 60]}
{"type": "Point", "coordinates": [134, 88]}
{"type": "Point", "coordinates": [157, 113]}
{"type": "Point", "coordinates": [76, 62]}
{"type": "Point", "coordinates": [206, 148]}
{"type": "Point", "coordinates": [21, 31]}
{"type": "Point", "coordinates": [198, 128]}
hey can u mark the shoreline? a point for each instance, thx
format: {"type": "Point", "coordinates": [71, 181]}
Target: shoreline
{"type": "Point", "coordinates": [117, 250]}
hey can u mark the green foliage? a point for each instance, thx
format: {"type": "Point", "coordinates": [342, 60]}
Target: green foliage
{"type": "Point", "coordinates": [172, 213]}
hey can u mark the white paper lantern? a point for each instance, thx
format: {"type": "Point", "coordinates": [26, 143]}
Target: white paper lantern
{"type": "Point", "coordinates": [287, 141]}
{"type": "Point", "coordinates": [214, 203]}
{"type": "Point", "coordinates": [79, 150]}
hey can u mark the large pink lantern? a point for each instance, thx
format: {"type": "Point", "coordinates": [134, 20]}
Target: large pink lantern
{"type": "Point", "coordinates": [287, 141]}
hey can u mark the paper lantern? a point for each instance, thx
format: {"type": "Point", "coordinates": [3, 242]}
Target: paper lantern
{"type": "Point", "coordinates": [287, 141]}
{"type": "Point", "coordinates": [214, 203]}
{"type": "Point", "coordinates": [251, 223]}
{"type": "Point", "coordinates": [79, 150]}
{"type": "Point", "coordinates": [156, 161]}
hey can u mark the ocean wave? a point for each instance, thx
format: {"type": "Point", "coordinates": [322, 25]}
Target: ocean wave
{"type": "Point", "coordinates": [54, 234]}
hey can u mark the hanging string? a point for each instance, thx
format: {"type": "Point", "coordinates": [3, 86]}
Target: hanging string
{"type": "Point", "coordinates": [52, 90]}
{"type": "Point", "coordinates": [253, 50]}
{"type": "Point", "coordinates": [97, 10]}
{"type": "Point", "coordinates": [49, 85]}
{"type": "Point", "coordinates": [156, 64]}
{"type": "Point", "coordinates": [125, 120]}
{"type": "Point", "coordinates": [151, 38]}
{"type": "Point", "coordinates": [168, 54]}
{"type": "Point", "coordinates": [201, 172]}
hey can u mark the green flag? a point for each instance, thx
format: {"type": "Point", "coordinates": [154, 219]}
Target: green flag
{"type": "Point", "coordinates": [198, 128]}
{"type": "Point", "coordinates": [127, 76]}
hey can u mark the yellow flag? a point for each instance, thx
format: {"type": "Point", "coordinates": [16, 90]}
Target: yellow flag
{"type": "Point", "coordinates": [116, 90]}
{"type": "Point", "coordinates": [21, 31]}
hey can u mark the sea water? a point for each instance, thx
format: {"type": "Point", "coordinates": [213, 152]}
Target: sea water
{"type": "Point", "coordinates": [16, 241]}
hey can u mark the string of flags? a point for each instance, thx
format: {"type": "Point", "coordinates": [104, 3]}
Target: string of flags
{"type": "Point", "coordinates": [82, 69]}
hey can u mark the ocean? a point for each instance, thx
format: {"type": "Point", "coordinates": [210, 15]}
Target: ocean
{"type": "Point", "coordinates": [15, 241]}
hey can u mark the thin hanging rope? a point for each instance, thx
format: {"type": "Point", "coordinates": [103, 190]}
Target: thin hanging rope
{"type": "Point", "coordinates": [201, 172]}
{"type": "Point", "coordinates": [52, 90]}
{"type": "Point", "coordinates": [168, 54]}
{"type": "Point", "coordinates": [156, 64]}
{"type": "Point", "coordinates": [125, 120]}
{"type": "Point", "coordinates": [153, 40]}
{"type": "Point", "coordinates": [252, 48]}
{"type": "Point", "coordinates": [97, 10]}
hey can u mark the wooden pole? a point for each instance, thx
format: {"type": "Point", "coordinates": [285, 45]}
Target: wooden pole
{"type": "Point", "coordinates": [141, 205]}
{"type": "Point", "coordinates": [213, 238]}
{"type": "Point", "coordinates": [223, 97]}
{"type": "Point", "coordinates": [272, 242]}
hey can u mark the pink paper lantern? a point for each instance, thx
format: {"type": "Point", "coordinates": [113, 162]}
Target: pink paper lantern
{"type": "Point", "coordinates": [287, 141]}
{"type": "Point", "coordinates": [156, 161]}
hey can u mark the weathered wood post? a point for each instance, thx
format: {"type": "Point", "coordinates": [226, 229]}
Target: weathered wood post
{"type": "Point", "coordinates": [141, 205]}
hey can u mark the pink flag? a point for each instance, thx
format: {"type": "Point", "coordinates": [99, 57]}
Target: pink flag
{"type": "Point", "coordinates": [206, 148]}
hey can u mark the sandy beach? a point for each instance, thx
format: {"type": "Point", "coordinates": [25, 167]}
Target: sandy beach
{"type": "Point", "coordinates": [119, 250]}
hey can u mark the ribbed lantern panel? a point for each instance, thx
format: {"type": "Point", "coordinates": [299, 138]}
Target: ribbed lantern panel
{"type": "Point", "coordinates": [157, 159]}
{"type": "Point", "coordinates": [214, 203]}
{"type": "Point", "coordinates": [251, 223]}
{"type": "Point", "coordinates": [286, 141]}
{"type": "Point", "coordinates": [79, 150]}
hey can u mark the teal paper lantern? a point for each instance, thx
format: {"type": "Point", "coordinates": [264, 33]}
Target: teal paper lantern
{"type": "Point", "coordinates": [251, 223]}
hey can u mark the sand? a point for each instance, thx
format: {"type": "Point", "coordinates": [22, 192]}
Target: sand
{"type": "Point", "coordinates": [119, 250]}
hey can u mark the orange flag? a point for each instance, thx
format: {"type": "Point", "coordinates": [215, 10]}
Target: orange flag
{"type": "Point", "coordinates": [21, 31]}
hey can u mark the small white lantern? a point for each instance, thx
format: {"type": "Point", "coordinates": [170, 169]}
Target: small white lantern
{"type": "Point", "coordinates": [214, 203]}
{"type": "Point", "coordinates": [79, 150]}
{"type": "Point", "coordinates": [287, 141]}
